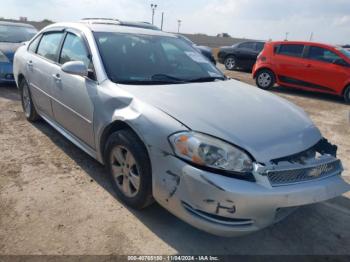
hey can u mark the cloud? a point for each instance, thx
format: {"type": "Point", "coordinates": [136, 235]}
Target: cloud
{"type": "Point", "coordinates": [342, 21]}
{"type": "Point", "coordinates": [265, 19]}
{"type": "Point", "coordinates": [258, 19]}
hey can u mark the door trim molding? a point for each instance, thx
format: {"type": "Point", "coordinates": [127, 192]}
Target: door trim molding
{"type": "Point", "coordinates": [294, 81]}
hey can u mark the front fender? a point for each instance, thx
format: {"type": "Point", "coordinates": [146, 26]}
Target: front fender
{"type": "Point", "coordinates": [152, 125]}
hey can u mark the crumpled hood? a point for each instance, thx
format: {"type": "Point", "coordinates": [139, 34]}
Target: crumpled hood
{"type": "Point", "coordinates": [265, 125]}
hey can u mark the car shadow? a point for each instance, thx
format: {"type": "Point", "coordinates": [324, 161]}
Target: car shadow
{"type": "Point", "coordinates": [9, 91]}
{"type": "Point", "coordinates": [316, 229]}
{"type": "Point", "coordinates": [308, 94]}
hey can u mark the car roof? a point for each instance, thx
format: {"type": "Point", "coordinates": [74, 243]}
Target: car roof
{"type": "Point", "coordinates": [139, 24]}
{"type": "Point", "coordinates": [303, 43]}
{"type": "Point", "coordinates": [251, 41]}
{"type": "Point", "coordinates": [108, 25]}
{"type": "Point", "coordinates": [15, 24]}
{"type": "Point", "coordinates": [113, 21]}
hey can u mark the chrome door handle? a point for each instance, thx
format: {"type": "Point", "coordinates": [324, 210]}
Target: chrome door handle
{"type": "Point", "coordinates": [57, 77]}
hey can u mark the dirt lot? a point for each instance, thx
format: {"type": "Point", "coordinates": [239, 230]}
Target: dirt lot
{"type": "Point", "coordinates": [55, 199]}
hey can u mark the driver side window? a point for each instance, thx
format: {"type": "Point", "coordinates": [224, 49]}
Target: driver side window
{"type": "Point", "coordinates": [74, 50]}
{"type": "Point", "coordinates": [247, 45]}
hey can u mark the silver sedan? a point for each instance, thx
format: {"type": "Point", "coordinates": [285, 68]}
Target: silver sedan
{"type": "Point", "coordinates": [221, 155]}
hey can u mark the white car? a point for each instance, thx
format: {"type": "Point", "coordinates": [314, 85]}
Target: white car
{"type": "Point", "coordinates": [223, 156]}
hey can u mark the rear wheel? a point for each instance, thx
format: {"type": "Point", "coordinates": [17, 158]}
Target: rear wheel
{"type": "Point", "coordinates": [347, 94]}
{"type": "Point", "coordinates": [230, 63]}
{"type": "Point", "coordinates": [129, 168]}
{"type": "Point", "coordinates": [265, 79]}
{"type": "Point", "coordinates": [27, 102]}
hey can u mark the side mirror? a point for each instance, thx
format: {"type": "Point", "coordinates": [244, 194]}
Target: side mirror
{"type": "Point", "coordinates": [75, 68]}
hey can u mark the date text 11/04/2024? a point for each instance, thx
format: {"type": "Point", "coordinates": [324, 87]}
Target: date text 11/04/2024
{"type": "Point", "coordinates": [173, 258]}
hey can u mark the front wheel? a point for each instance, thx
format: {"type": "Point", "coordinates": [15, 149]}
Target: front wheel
{"type": "Point", "coordinates": [27, 102]}
{"type": "Point", "coordinates": [129, 168]}
{"type": "Point", "coordinates": [265, 79]}
{"type": "Point", "coordinates": [347, 95]}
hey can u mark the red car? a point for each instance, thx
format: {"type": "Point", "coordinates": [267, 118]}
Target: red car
{"type": "Point", "coordinates": [305, 65]}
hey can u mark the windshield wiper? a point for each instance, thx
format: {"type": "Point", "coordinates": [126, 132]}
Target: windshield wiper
{"type": "Point", "coordinates": [167, 78]}
{"type": "Point", "coordinates": [146, 82]}
{"type": "Point", "coordinates": [159, 79]}
{"type": "Point", "coordinates": [207, 79]}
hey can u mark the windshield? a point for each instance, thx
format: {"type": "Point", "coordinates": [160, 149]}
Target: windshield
{"type": "Point", "coordinates": [344, 51]}
{"type": "Point", "coordinates": [149, 59]}
{"type": "Point", "coordinates": [16, 34]}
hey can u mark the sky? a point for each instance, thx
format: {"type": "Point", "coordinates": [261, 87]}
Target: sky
{"type": "Point", "coordinates": [328, 20]}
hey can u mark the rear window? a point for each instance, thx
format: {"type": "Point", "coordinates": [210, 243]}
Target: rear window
{"type": "Point", "coordinates": [259, 46]}
{"type": "Point", "coordinates": [290, 50]}
{"type": "Point", "coordinates": [16, 33]}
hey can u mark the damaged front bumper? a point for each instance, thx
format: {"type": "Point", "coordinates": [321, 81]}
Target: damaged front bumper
{"type": "Point", "coordinates": [227, 206]}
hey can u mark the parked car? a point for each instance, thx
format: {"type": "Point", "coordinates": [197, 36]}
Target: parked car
{"type": "Point", "coordinates": [205, 50]}
{"type": "Point", "coordinates": [242, 55]}
{"type": "Point", "coordinates": [12, 35]}
{"type": "Point", "coordinates": [305, 65]}
{"type": "Point", "coordinates": [347, 47]}
{"type": "Point", "coordinates": [222, 155]}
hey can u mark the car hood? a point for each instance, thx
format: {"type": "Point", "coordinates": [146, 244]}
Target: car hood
{"type": "Point", "coordinates": [9, 49]}
{"type": "Point", "coordinates": [265, 125]}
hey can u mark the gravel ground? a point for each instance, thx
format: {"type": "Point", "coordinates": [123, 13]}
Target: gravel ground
{"type": "Point", "coordinates": [55, 199]}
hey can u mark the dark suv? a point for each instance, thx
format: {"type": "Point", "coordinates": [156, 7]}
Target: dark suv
{"type": "Point", "coordinates": [242, 55]}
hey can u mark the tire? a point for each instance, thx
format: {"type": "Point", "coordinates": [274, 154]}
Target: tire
{"type": "Point", "coordinates": [129, 169]}
{"type": "Point", "coordinates": [265, 79]}
{"type": "Point", "coordinates": [27, 102]}
{"type": "Point", "coordinates": [347, 94]}
{"type": "Point", "coordinates": [230, 62]}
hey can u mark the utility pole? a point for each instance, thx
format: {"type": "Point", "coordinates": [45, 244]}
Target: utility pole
{"type": "Point", "coordinates": [178, 25]}
{"type": "Point", "coordinates": [311, 36]}
{"type": "Point", "coordinates": [153, 7]}
{"type": "Point", "coordinates": [287, 33]}
{"type": "Point", "coordinates": [161, 24]}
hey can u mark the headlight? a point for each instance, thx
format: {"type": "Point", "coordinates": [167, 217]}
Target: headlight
{"type": "Point", "coordinates": [210, 152]}
{"type": "Point", "coordinates": [3, 58]}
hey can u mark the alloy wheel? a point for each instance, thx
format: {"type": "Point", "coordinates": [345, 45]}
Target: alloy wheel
{"type": "Point", "coordinates": [27, 104]}
{"type": "Point", "coordinates": [264, 79]}
{"type": "Point", "coordinates": [125, 171]}
{"type": "Point", "coordinates": [230, 63]}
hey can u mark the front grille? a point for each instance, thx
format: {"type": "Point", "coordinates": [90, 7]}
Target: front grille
{"type": "Point", "coordinates": [298, 175]}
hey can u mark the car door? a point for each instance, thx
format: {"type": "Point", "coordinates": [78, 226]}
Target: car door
{"type": "Point", "coordinates": [321, 73]}
{"type": "Point", "coordinates": [247, 54]}
{"type": "Point", "coordinates": [288, 61]}
{"type": "Point", "coordinates": [41, 60]}
{"type": "Point", "coordinates": [72, 105]}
